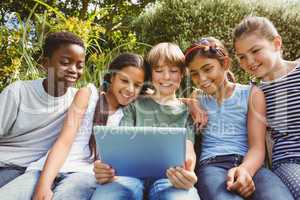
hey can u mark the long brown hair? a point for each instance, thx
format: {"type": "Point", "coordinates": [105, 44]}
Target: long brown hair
{"type": "Point", "coordinates": [101, 110]}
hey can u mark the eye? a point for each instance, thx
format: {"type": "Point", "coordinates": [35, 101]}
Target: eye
{"type": "Point", "coordinates": [124, 80]}
{"type": "Point", "coordinates": [255, 51]}
{"type": "Point", "coordinates": [80, 66]}
{"type": "Point", "coordinates": [138, 86]}
{"type": "Point", "coordinates": [65, 61]}
{"type": "Point", "coordinates": [207, 69]}
{"type": "Point", "coordinates": [158, 70]}
{"type": "Point", "coordinates": [241, 57]}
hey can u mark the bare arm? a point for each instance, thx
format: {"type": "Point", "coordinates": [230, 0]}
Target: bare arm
{"type": "Point", "coordinates": [240, 178]}
{"type": "Point", "coordinates": [256, 123]}
{"type": "Point", "coordinates": [62, 146]}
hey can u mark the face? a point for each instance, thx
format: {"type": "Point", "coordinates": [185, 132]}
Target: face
{"type": "Point", "coordinates": [166, 79]}
{"type": "Point", "coordinates": [207, 74]}
{"type": "Point", "coordinates": [257, 55]}
{"type": "Point", "coordinates": [126, 84]}
{"type": "Point", "coordinates": [66, 64]}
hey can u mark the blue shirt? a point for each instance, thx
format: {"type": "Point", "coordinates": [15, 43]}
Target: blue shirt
{"type": "Point", "coordinates": [226, 131]}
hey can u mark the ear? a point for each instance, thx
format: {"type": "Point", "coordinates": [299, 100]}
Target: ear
{"type": "Point", "coordinates": [277, 41]}
{"type": "Point", "coordinates": [45, 62]}
{"type": "Point", "coordinates": [226, 63]}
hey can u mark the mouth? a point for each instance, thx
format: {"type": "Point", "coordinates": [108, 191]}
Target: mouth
{"type": "Point", "coordinates": [254, 67]}
{"type": "Point", "coordinates": [206, 85]}
{"type": "Point", "coordinates": [71, 78]}
{"type": "Point", "coordinates": [166, 84]}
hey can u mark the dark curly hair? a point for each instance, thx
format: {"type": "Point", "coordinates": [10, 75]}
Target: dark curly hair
{"type": "Point", "coordinates": [54, 40]}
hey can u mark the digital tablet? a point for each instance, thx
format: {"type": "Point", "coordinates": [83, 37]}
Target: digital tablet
{"type": "Point", "coordinates": [142, 152]}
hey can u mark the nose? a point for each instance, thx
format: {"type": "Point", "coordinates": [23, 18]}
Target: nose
{"type": "Point", "coordinates": [166, 75]}
{"type": "Point", "coordinates": [72, 68]}
{"type": "Point", "coordinates": [250, 60]}
{"type": "Point", "coordinates": [131, 89]}
{"type": "Point", "coordinates": [201, 77]}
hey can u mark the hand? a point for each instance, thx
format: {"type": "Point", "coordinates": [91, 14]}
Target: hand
{"type": "Point", "coordinates": [182, 178]}
{"type": "Point", "coordinates": [199, 115]}
{"type": "Point", "coordinates": [103, 172]}
{"type": "Point", "coordinates": [42, 193]}
{"type": "Point", "coordinates": [240, 181]}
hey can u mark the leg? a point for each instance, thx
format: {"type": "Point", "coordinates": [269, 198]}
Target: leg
{"type": "Point", "coordinates": [74, 186]}
{"type": "Point", "coordinates": [7, 174]}
{"type": "Point", "coordinates": [162, 189]}
{"type": "Point", "coordinates": [123, 188]}
{"type": "Point", "coordinates": [290, 176]}
{"type": "Point", "coordinates": [212, 184]}
{"type": "Point", "coordinates": [21, 188]}
{"type": "Point", "coordinates": [268, 186]}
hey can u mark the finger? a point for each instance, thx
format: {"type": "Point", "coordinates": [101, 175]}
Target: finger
{"type": "Point", "coordinates": [230, 178]}
{"type": "Point", "coordinates": [189, 177]}
{"type": "Point", "coordinates": [184, 179]}
{"type": "Point", "coordinates": [247, 191]}
{"type": "Point", "coordinates": [175, 180]}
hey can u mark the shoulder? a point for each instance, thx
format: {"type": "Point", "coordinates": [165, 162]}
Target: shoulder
{"type": "Point", "coordinates": [82, 97]}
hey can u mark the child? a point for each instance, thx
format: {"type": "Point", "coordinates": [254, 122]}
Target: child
{"type": "Point", "coordinates": [259, 49]}
{"type": "Point", "coordinates": [161, 109]}
{"type": "Point", "coordinates": [68, 170]}
{"type": "Point", "coordinates": [32, 112]}
{"type": "Point", "coordinates": [233, 143]}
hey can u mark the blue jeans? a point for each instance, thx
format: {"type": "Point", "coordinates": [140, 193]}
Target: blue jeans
{"type": "Point", "coordinates": [67, 186]}
{"type": "Point", "coordinates": [9, 173]}
{"type": "Point", "coordinates": [289, 172]}
{"type": "Point", "coordinates": [212, 177]}
{"type": "Point", "coordinates": [125, 188]}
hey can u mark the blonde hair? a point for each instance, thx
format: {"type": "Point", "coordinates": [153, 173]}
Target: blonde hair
{"type": "Point", "coordinates": [166, 53]}
{"type": "Point", "coordinates": [255, 25]}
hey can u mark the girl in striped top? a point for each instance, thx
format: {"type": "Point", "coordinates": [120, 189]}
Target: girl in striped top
{"type": "Point", "coordinates": [259, 49]}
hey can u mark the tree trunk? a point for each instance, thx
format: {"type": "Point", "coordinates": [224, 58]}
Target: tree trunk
{"type": "Point", "coordinates": [83, 11]}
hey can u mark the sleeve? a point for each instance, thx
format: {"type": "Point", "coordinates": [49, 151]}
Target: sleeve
{"type": "Point", "coordinates": [190, 129]}
{"type": "Point", "coordinates": [9, 106]}
{"type": "Point", "coordinates": [129, 115]}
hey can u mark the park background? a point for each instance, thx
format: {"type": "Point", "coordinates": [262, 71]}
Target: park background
{"type": "Point", "coordinates": [109, 27]}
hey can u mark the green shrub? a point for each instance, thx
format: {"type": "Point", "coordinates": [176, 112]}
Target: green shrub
{"type": "Point", "coordinates": [184, 21]}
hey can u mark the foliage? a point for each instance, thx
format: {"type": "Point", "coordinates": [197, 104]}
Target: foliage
{"type": "Point", "coordinates": [21, 41]}
{"type": "Point", "coordinates": [184, 21]}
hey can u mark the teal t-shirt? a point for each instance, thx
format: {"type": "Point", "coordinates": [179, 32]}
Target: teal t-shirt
{"type": "Point", "coordinates": [147, 112]}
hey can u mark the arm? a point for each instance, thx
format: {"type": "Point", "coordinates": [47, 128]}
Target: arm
{"type": "Point", "coordinates": [198, 114]}
{"type": "Point", "coordinates": [184, 177]}
{"type": "Point", "coordinates": [62, 146]}
{"type": "Point", "coordinates": [240, 178]}
{"type": "Point", "coordinates": [103, 172]}
{"type": "Point", "coordinates": [9, 106]}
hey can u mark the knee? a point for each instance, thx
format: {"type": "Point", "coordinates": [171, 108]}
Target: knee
{"type": "Point", "coordinates": [115, 191]}
{"type": "Point", "coordinates": [178, 194]}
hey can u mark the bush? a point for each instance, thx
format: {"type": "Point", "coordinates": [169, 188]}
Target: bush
{"type": "Point", "coordinates": [184, 21]}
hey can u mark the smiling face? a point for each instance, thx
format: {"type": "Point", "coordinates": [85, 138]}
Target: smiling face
{"type": "Point", "coordinates": [207, 74]}
{"type": "Point", "coordinates": [258, 55]}
{"type": "Point", "coordinates": [65, 65]}
{"type": "Point", "coordinates": [126, 84]}
{"type": "Point", "coordinates": [166, 79]}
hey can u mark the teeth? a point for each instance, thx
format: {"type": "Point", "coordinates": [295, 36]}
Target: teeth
{"type": "Point", "coordinates": [253, 68]}
{"type": "Point", "coordinates": [206, 85]}
{"type": "Point", "coordinates": [166, 85]}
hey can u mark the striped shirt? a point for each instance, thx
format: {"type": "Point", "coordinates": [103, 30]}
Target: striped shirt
{"type": "Point", "coordinates": [283, 114]}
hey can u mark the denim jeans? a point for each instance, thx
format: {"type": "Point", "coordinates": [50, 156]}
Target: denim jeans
{"type": "Point", "coordinates": [125, 188]}
{"type": "Point", "coordinates": [9, 173]}
{"type": "Point", "coordinates": [289, 171]}
{"type": "Point", "coordinates": [67, 186]}
{"type": "Point", "coordinates": [212, 177]}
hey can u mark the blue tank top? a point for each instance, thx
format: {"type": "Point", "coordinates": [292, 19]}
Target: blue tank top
{"type": "Point", "coordinates": [226, 131]}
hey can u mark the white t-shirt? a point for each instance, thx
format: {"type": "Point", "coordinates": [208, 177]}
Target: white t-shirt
{"type": "Point", "coordinates": [79, 159]}
{"type": "Point", "coordinates": [30, 120]}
